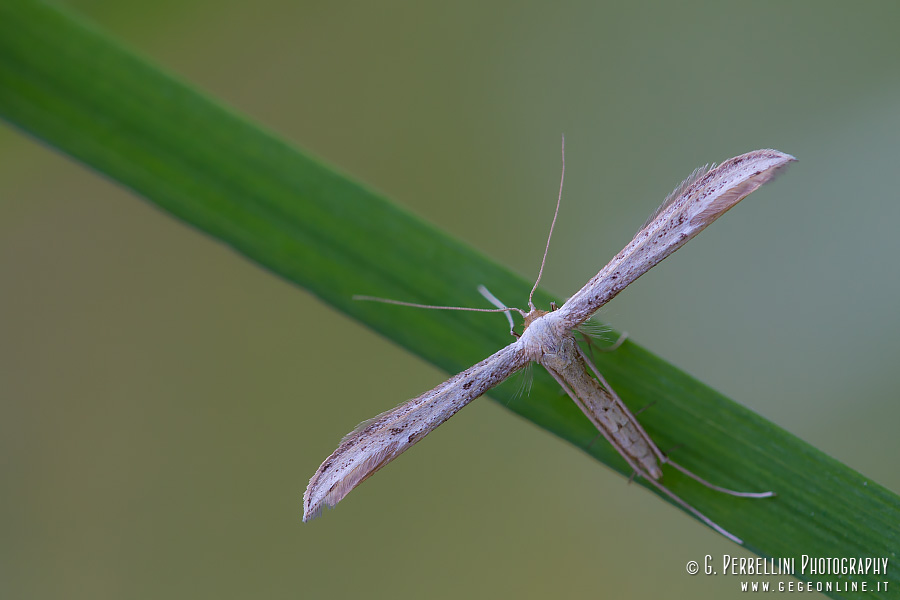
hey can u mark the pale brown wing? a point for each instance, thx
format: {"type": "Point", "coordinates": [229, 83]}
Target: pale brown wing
{"type": "Point", "coordinates": [378, 441]}
{"type": "Point", "coordinates": [706, 197]}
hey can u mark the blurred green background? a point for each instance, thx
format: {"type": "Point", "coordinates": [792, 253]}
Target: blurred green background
{"type": "Point", "coordinates": [165, 401]}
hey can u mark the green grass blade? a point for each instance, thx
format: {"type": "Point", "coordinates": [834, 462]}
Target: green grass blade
{"type": "Point", "coordinates": [77, 90]}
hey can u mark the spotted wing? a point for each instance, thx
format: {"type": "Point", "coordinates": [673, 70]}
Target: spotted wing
{"type": "Point", "coordinates": [700, 200]}
{"type": "Point", "coordinates": [378, 441]}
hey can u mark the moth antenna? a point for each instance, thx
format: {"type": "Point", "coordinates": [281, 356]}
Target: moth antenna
{"type": "Point", "coordinates": [433, 307]}
{"type": "Point", "coordinates": [552, 225]}
{"type": "Point", "coordinates": [496, 302]}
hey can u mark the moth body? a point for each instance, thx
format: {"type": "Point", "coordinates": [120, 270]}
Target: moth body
{"type": "Point", "coordinates": [548, 340]}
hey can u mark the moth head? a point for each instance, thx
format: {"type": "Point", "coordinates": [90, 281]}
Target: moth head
{"type": "Point", "coordinates": [531, 317]}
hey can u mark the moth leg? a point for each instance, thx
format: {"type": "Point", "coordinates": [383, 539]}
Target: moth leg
{"type": "Point", "coordinates": [717, 488]}
{"type": "Point", "coordinates": [638, 471]}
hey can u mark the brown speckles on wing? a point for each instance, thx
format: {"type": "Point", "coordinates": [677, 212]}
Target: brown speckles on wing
{"type": "Point", "coordinates": [700, 200]}
{"type": "Point", "coordinates": [376, 442]}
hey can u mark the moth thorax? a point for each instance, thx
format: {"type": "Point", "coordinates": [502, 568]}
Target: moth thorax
{"type": "Point", "coordinates": [542, 334]}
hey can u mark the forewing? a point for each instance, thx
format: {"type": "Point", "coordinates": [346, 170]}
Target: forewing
{"type": "Point", "coordinates": [699, 201]}
{"type": "Point", "coordinates": [376, 442]}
